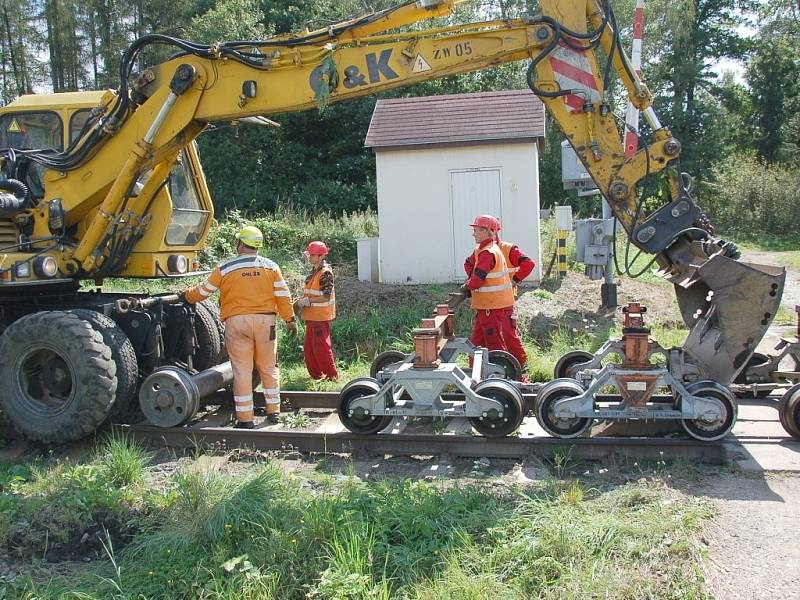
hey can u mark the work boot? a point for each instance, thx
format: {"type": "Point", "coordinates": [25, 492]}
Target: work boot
{"type": "Point", "coordinates": [244, 425]}
{"type": "Point", "coordinates": [260, 411]}
{"type": "Point", "coordinates": [272, 418]}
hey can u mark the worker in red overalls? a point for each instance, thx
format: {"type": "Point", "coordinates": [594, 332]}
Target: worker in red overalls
{"type": "Point", "coordinates": [519, 267]}
{"type": "Point", "coordinates": [489, 283]}
{"type": "Point", "coordinates": [318, 309]}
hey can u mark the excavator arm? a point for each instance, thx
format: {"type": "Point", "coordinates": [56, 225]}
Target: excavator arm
{"type": "Point", "coordinates": [146, 125]}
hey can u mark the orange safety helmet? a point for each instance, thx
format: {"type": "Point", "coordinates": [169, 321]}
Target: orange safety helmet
{"type": "Point", "coordinates": [317, 249]}
{"type": "Point", "coordinates": [487, 221]}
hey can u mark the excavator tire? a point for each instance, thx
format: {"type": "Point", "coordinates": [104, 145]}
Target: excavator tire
{"type": "Point", "coordinates": [124, 357]}
{"type": "Point", "coordinates": [215, 314]}
{"type": "Point", "coordinates": [58, 378]}
{"type": "Point", "coordinates": [208, 341]}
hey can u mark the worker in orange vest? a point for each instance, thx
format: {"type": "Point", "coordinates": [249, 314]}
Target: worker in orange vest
{"type": "Point", "coordinates": [318, 308]}
{"type": "Point", "coordinates": [252, 291]}
{"type": "Point", "coordinates": [519, 267]}
{"type": "Point", "coordinates": [489, 284]}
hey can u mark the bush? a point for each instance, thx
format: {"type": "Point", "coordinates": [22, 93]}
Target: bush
{"type": "Point", "coordinates": [749, 196]}
{"type": "Point", "coordinates": [289, 229]}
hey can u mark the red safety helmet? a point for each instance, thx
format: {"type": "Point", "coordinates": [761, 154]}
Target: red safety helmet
{"type": "Point", "coordinates": [487, 221]}
{"type": "Point", "coordinates": [317, 249]}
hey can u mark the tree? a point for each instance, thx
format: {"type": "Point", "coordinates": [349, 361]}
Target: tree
{"type": "Point", "coordinates": [774, 85]}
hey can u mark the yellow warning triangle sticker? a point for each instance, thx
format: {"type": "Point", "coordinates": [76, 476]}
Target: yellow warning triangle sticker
{"type": "Point", "coordinates": [421, 65]}
{"type": "Point", "coordinates": [14, 127]}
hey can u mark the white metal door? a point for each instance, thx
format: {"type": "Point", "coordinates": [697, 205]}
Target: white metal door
{"type": "Point", "coordinates": [472, 192]}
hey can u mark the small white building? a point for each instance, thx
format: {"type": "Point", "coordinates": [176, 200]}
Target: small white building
{"type": "Point", "coordinates": [442, 160]}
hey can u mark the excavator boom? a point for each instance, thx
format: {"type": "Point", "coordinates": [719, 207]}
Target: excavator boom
{"type": "Point", "coordinates": [106, 187]}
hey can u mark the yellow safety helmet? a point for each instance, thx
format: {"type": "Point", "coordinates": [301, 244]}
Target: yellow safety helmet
{"type": "Point", "coordinates": [251, 236]}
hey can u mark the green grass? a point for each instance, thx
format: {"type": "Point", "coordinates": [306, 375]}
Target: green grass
{"type": "Point", "coordinates": [265, 534]}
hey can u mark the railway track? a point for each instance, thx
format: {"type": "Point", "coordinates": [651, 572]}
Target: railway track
{"type": "Point", "coordinates": [454, 438]}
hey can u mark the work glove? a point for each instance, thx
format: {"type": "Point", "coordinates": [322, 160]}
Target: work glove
{"type": "Point", "coordinates": [465, 290]}
{"type": "Point", "coordinates": [182, 295]}
{"type": "Point", "coordinates": [301, 303]}
{"type": "Point", "coordinates": [291, 327]}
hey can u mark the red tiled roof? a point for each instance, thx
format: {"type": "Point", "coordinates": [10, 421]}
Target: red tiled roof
{"type": "Point", "coordinates": [510, 115]}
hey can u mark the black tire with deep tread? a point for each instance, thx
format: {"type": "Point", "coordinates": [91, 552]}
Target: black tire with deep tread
{"type": "Point", "coordinates": [208, 343]}
{"type": "Point", "coordinates": [93, 371]}
{"type": "Point", "coordinates": [124, 358]}
{"type": "Point", "coordinates": [215, 314]}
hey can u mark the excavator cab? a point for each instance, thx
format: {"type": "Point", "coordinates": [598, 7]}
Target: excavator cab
{"type": "Point", "coordinates": [164, 237]}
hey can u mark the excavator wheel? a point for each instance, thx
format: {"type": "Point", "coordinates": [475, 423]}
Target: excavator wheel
{"type": "Point", "coordinates": [789, 411]}
{"type": "Point", "coordinates": [215, 314]}
{"type": "Point", "coordinates": [208, 341]}
{"type": "Point", "coordinates": [124, 357]}
{"type": "Point", "coordinates": [58, 378]}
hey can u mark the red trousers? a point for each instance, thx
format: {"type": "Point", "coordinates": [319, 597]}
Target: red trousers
{"type": "Point", "coordinates": [496, 329]}
{"type": "Point", "coordinates": [317, 350]}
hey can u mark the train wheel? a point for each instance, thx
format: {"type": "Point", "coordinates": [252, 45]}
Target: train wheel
{"type": "Point", "coordinates": [546, 400]}
{"type": "Point", "coordinates": [509, 363]}
{"type": "Point", "coordinates": [717, 424]}
{"type": "Point", "coordinates": [565, 367]}
{"type": "Point", "coordinates": [789, 411]}
{"type": "Point", "coordinates": [356, 420]}
{"type": "Point", "coordinates": [385, 359]}
{"type": "Point", "coordinates": [495, 424]}
{"type": "Point", "coordinates": [755, 360]}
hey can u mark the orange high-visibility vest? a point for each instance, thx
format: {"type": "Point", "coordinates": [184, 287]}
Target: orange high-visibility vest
{"type": "Point", "coordinates": [496, 291]}
{"type": "Point", "coordinates": [319, 311]}
{"type": "Point", "coordinates": [505, 248]}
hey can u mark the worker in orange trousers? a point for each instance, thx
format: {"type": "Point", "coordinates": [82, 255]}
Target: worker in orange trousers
{"type": "Point", "coordinates": [252, 294]}
{"type": "Point", "coordinates": [317, 308]}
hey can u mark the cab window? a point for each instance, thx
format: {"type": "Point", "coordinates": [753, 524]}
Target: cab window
{"type": "Point", "coordinates": [188, 215]}
{"type": "Point", "coordinates": [77, 121]}
{"type": "Point", "coordinates": [35, 130]}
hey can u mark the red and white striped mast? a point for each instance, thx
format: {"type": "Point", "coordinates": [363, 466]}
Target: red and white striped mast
{"type": "Point", "coordinates": [632, 116]}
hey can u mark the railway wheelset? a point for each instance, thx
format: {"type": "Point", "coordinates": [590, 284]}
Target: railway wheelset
{"type": "Point", "coordinates": [632, 378]}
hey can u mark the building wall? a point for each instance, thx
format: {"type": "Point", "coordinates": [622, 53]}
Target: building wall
{"type": "Point", "coordinates": [414, 207]}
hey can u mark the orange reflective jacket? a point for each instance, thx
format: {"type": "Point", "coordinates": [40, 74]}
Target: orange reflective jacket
{"type": "Point", "coordinates": [248, 284]}
{"type": "Point", "coordinates": [496, 291]}
{"type": "Point", "coordinates": [319, 311]}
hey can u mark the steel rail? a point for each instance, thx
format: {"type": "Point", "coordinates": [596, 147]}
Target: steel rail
{"type": "Point", "coordinates": [405, 444]}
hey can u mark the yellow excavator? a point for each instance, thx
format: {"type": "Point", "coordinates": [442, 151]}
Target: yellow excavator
{"type": "Point", "coordinates": [109, 184]}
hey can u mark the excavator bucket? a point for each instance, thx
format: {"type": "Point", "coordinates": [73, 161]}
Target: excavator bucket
{"type": "Point", "coordinates": [728, 306]}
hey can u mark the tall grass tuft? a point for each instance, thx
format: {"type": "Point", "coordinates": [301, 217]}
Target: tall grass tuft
{"type": "Point", "coordinates": [123, 461]}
